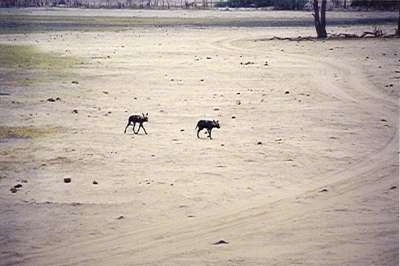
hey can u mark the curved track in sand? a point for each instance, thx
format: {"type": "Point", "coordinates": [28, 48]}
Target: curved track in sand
{"type": "Point", "coordinates": [321, 188]}
{"type": "Point", "coordinates": [352, 222]}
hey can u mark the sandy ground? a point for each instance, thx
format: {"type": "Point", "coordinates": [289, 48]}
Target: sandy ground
{"type": "Point", "coordinates": [303, 171]}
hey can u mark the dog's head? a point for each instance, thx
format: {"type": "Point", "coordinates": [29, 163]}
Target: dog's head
{"type": "Point", "coordinates": [145, 117]}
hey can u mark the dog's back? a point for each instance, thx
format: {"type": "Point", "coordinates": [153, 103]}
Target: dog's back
{"type": "Point", "coordinates": [209, 124]}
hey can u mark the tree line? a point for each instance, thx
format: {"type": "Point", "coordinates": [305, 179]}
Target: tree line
{"type": "Point", "coordinates": [275, 4]}
{"type": "Point", "coordinates": [137, 4]}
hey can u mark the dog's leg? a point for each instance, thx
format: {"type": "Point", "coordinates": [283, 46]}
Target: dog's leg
{"type": "Point", "coordinates": [134, 124]}
{"type": "Point", "coordinates": [141, 125]}
{"type": "Point", "coordinates": [129, 122]}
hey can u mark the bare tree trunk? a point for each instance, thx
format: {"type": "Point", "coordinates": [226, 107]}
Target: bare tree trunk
{"type": "Point", "coordinates": [323, 17]}
{"type": "Point", "coordinates": [320, 20]}
{"type": "Point", "coordinates": [398, 23]}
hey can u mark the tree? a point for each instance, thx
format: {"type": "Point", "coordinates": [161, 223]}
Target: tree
{"type": "Point", "coordinates": [398, 23]}
{"type": "Point", "coordinates": [320, 19]}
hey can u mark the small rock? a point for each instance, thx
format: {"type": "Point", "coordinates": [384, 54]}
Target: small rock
{"type": "Point", "coordinates": [259, 143]}
{"type": "Point", "coordinates": [94, 182]}
{"type": "Point", "coordinates": [287, 92]}
{"type": "Point", "coordinates": [248, 63]}
{"type": "Point", "coordinates": [216, 109]}
{"type": "Point", "coordinates": [51, 100]}
{"type": "Point", "coordinates": [58, 99]}
{"type": "Point", "coordinates": [75, 82]}
{"type": "Point", "coordinates": [324, 190]}
{"type": "Point", "coordinates": [18, 186]}
{"type": "Point", "coordinates": [105, 92]}
{"type": "Point", "coordinates": [182, 130]}
{"type": "Point", "coordinates": [74, 111]}
{"type": "Point", "coordinates": [393, 187]}
{"type": "Point", "coordinates": [222, 144]}
{"type": "Point", "coordinates": [221, 242]}
{"type": "Point", "coordinates": [233, 117]}
{"type": "Point", "coordinates": [383, 120]}
{"type": "Point", "coordinates": [67, 180]}
{"type": "Point", "coordinates": [13, 190]}
{"type": "Point", "coordinates": [121, 217]}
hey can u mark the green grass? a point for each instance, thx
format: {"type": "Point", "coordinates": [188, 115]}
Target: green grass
{"type": "Point", "coordinates": [29, 57]}
{"type": "Point", "coordinates": [27, 66]}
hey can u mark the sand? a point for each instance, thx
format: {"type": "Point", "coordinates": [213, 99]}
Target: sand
{"type": "Point", "coordinates": [304, 169]}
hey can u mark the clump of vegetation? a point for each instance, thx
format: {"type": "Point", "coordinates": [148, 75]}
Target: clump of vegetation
{"type": "Point", "coordinates": [25, 132]}
{"type": "Point", "coordinates": [29, 57]}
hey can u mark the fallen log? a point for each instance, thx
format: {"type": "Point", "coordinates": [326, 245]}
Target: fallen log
{"type": "Point", "coordinates": [335, 36]}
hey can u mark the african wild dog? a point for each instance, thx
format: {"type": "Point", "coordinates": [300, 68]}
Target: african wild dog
{"type": "Point", "coordinates": [133, 119]}
{"type": "Point", "coordinates": [208, 124]}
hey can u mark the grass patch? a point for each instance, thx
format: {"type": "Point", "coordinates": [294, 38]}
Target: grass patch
{"type": "Point", "coordinates": [25, 132]}
{"type": "Point", "coordinates": [43, 23]}
{"type": "Point", "coordinates": [29, 57]}
{"type": "Point", "coordinates": [28, 66]}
